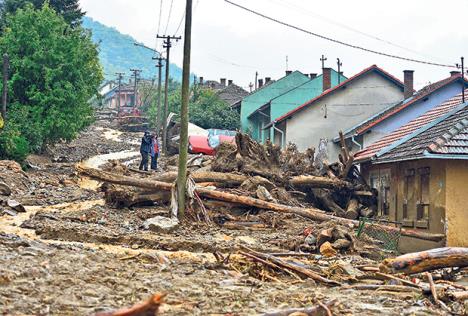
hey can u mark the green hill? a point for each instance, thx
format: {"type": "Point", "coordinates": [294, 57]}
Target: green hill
{"type": "Point", "coordinates": [118, 54]}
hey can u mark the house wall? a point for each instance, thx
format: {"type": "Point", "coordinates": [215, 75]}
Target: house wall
{"type": "Point", "coordinates": [341, 110]}
{"type": "Point", "coordinates": [437, 199]}
{"type": "Point", "coordinates": [263, 95]}
{"type": "Point", "coordinates": [411, 112]}
{"type": "Point", "coordinates": [300, 95]}
{"type": "Point", "coordinates": [457, 203]}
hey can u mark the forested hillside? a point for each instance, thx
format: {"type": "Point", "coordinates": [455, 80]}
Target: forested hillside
{"type": "Point", "coordinates": [118, 54]}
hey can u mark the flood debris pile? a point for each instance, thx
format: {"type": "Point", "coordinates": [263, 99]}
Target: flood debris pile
{"type": "Point", "coordinates": [249, 177]}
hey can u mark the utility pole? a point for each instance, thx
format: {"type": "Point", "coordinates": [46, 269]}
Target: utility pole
{"type": "Point", "coordinates": [159, 65]}
{"type": "Point", "coordinates": [323, 59]}
{"type": "Point", "coordinates": [183, 145]}
{"type": "Point", "coordinates": [6, 68]}
{"type": "Point", "coordinates": [338, 61]}
{"type": "Point", "coordinates": [119, 78]}
{"type": "Point", "coordinates": [136, 73]}
{"type": "Point", "coordinates": [167, 45]}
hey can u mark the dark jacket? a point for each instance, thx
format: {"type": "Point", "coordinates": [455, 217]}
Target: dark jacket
{"type": "Point", "coordinates": [146, 144]}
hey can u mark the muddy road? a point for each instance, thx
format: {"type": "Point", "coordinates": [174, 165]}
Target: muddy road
{"type": "Point", "coordinates": [71, 254]}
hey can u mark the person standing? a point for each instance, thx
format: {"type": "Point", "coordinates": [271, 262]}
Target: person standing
{"type": "Point", "coordinates": [145, 149]}
{"type": "Point", "coordinates": [155, 153]}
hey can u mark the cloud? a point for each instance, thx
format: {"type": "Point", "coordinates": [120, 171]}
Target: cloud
{"type": "Point", "coordinates": [229, 42]}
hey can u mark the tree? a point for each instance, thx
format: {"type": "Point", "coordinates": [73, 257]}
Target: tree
{"type": "Point", "coordinates": [208, 111]}
{"type": "Point", "coordinates": [55, 70]}
{"type": "Point", "coordinates": [69, 9]}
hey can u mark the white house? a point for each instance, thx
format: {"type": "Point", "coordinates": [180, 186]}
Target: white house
{"type": "Point", "coordinates": [339, 108]}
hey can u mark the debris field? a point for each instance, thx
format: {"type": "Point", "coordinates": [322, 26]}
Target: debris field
{"type": "Point", "coordinates": [83, 232]}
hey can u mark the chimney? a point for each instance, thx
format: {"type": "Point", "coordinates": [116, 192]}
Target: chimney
{"type": "Point", "coordinates": [267, 79]}
{"type": "Point", "coordinates": [409, 83]}
{"type": "Point", "coordinates": [313, 76]}
{"type": "Point", "coordinates": [326, 78]}
{"type": "Point", "coordinates": [454, 73]}
{"type": "Point", "coordinates": [229, 82]}
{"type": "Point", "coordinates": [223, 81]}
{"type": "Point", "coordinates": [201, 81]}
{"type": "Point", "coordinates": [260, 83]}
{"type": "Point", "coordinates": [288, 72]}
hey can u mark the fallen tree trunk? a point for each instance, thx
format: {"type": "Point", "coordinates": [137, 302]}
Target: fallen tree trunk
{"type": "Point", "coordinates": [426, 260]}
{"type": "Point", "coordinates": [352, 210]}
{"type": "Point", "coordinates": [227, 179]}
{"type": "Point", "coordinates": [325, 198]}
{"type": "Point", "coordinates": [319, 182]}
{"type": "Point", "coordinates": [310, 213]}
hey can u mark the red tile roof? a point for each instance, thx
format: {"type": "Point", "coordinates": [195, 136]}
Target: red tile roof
{"type": "Point", "coordinates": [408, 129]}
{"type": "Point", "coordinates": [344, 83]}
{"type": "Point", "coordinates": [421, 94]}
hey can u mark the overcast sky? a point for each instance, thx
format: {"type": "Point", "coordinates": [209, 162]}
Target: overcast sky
{"type": "Point", "coordinates": [231, 43]}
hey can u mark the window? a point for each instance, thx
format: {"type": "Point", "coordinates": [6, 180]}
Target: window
{"type": "Point", "coordinates": [408, 192]}
{"type": "Point", "coordinates": [424, 183]}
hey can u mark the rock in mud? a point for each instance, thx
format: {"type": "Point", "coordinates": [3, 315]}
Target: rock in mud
{"type": "Point", "coordinates": [263, 194]}
{"type": "Point", "coordinates": [161, 224]}
{"type": "Point", "coordinates": [4, 189]}
{"type": "Point", "coordinates": [10, 212]}
{"type": "Point", "coordinates": [17, 206]}
{"type": "Point", "coordinates": [327, 250]}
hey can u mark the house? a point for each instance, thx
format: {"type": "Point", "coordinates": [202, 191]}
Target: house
{"type": "Point", "coordinates": [127, 97]}
{"type": "Point", "coordinates": [231, 93]}
{"type": "Point", "coordinates": [420, 171]}
{"type": "Point", "coordinates": [337, 108]}
{"type": "Point", "coordinates": [395, 116]}
{"type": "Point", "coordinates": [279, 97]}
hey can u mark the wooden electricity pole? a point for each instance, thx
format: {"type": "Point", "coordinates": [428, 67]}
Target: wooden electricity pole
{"type": "Point", "coordinates": [136, 72]}
{"type": "Point", "coordinates": [159, 65]}
{"type": "Point", "coordinates": [119, 78]}
{"type": "Point", "coordinates": [167, 45]}
{"type": "Point", "coordinates": [6, 68]}
{"type": "Point", "coordinates": [183, 145]}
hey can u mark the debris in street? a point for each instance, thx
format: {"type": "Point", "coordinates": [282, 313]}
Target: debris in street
{"type": "Point", "coordinates": [323, 309]}
{"type": "Point", "coordinates": [160, 224]}
{"type": "Point", "coordinates": [15, 205]}
{"type": "Point", "coordinates": [148, 308]}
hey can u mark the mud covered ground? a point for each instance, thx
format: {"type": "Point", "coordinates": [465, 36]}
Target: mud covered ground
{"type": "Point", "coordinates": [70, 254]}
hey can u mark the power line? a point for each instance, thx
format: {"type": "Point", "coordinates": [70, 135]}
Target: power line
{"type": "Point", "coordinates": [159, 21]}
{"type": "Point", "coordinates": [338, 41]}
{"type": "Point", "coordinates": [183, 18]}
{"type": "Point", "coordinates": [344, 26]}
{"type": "Point", "coordinates": [168, 16]}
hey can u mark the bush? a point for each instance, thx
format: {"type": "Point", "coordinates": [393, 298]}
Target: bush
{"type": "Point", "coordinates": [13, 145]}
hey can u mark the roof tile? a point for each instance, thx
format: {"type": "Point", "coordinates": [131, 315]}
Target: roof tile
{"type": "Point", "coordinates": [406, 130]}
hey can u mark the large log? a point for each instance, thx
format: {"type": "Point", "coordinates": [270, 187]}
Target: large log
{"type": "Point", "coordinates": [426, 260]}
{"type": "Point", "coordinates": [319, 182]}
{"type": "Point", "coordinates": [310, 213]}
{"type": "Point", "coordinates": [227, 179]}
